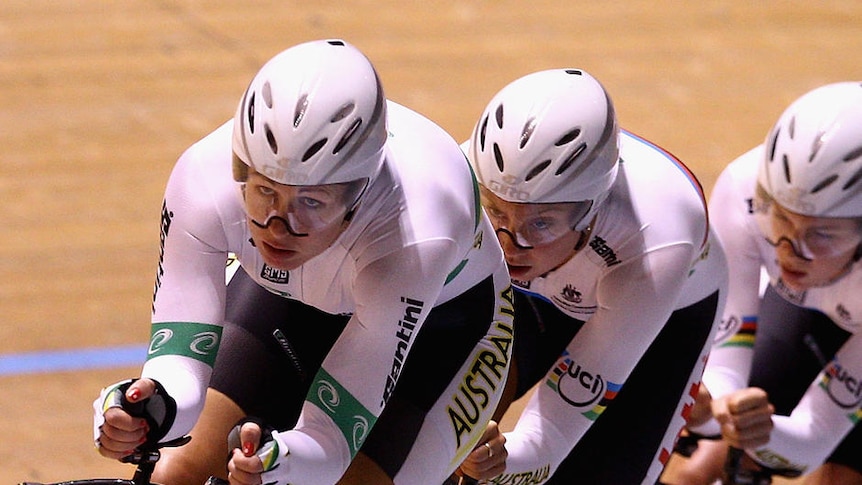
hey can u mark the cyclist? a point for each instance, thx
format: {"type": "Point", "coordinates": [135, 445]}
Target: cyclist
{"type": "Point", "coordinates": [618, 280]}
{"type": "Point", "coordinates": [364, 255]}
{"type": "Point", "coordinates": [784, 380]}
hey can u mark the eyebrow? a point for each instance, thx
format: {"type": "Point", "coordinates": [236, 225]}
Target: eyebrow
{"type": "Point", "coordinates": [820, 225]}
{"type": "Point", "coordinates": [320, 189]}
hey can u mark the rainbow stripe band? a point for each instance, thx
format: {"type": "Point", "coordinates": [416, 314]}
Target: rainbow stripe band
{"type": "Point", "coordinates": [744, 337]}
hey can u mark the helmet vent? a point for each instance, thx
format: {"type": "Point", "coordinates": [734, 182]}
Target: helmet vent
{"type": "Point", "coordinates": [825, 183]}
{"type": "Point", "coordinates": [342, 113]}
{"type": "Point", "coordinates": [853, 155]}
{"type": "Point", "coordinates": [527, 132]}
{"type": "Point", "coordinates": [498, 157]}
{"type": "Point", "coordinates": [786, 163]}
{"type": "Point", "coordinates": [482, 132]}
{"type": "Point", "coordinates": [347, 136]}
{"type": "Point", "coordinates": [855, 178]}
{"type": "Point", "coordinates": [575, 72]}
{"type": "Point", "coordinates": [772, 144]}
{"type": "Point", "coordinates": [270, 138]}
{"type": "Point", "coordinates": [791, 129]}
{"type": "Point", "coordinates": [815, 146]}
{"type": "Point", "coordinates": [299, 111]}
{"type": "Point", "coordinates": [569, 161]}
{"type": "Point", "coordinates": [537, 170]}
{"type": "Point", "coordinates": [568, 137]}
{"type": "Point", "coordinates": [266, 92]}
{"type": "Point", "coordinates": [313, 149]}
{"type": "Point", "coordinates": [250, 114]}
{"type": "Point", "coordinates": [498, 115]}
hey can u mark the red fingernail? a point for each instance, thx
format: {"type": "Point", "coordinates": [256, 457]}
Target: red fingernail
{"type": "Point", "coordinates": [247, 448]}
{"type": "Point", "coordinates": [134, 395]}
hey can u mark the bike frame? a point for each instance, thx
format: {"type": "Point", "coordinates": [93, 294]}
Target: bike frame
{"type": "Point", "coordinates": [145, 461]}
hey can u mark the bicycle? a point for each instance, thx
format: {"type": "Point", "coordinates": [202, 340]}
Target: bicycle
{"type": "Point", "coordinates": [143, 458]}
{"type": "Point", "coordinates": [735, 470]}
{"type": "Point", "coordinates": [145, 461]}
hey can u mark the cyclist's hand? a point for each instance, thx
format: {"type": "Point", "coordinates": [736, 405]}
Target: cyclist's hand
{"type": "Point", "coordinates": [116, 432]}
{"type": "Point", "coordinates": [257, 452]}
{"type": "Point", "coordinates": [701, 412]}
{"type": "Point", "coordinates": [245, 467]}
{"type": "Point", "coordinates": [488, 459]}
{"type": "Point", "coordinates": [745, 417]}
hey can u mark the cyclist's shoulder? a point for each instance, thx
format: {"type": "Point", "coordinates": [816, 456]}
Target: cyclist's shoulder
{"type": "Point", "coordinates": [742, 171]}
{"type": "Point", "coordinates": [420, 150]}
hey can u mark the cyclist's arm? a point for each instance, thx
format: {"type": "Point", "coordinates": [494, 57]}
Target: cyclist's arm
{"type": "Point", "coordinates": [827, 412]}
{"type": "Point", "coordinates": [393, 297]}
{"type": "Point", "coordinates": [635, 300]}
{"type": "Point", "coordinates": [188, 305]}
{"type": "Point", "coordinates": [729, 363]}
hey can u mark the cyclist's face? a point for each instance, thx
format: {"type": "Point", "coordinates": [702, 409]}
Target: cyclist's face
{"type": "Point", "coordinates": [811, 251]}
{"type": "Point", "coordinates": [536, 238]}
{"type": "Point", "coordinates": [292, 224]}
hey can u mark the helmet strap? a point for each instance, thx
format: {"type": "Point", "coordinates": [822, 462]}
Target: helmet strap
{"type": "Point", "coordinates": [582, 241]}
{"type": "Point", "coordinates": [349, 215]}
{"type": "Point", "coordinates": [585, 236]}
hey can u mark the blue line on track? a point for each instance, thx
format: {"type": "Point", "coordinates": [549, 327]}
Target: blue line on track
{"type": "Point", "coordinates": [71, 360]}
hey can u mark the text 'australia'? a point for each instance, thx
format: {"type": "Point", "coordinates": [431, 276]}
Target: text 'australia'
{"type": "Point", "coordinates": [487, 372]}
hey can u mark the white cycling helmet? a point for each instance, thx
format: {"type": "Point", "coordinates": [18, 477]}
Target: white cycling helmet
{"type": "Point", "coordinates": [813, 155]}
{"type": "Point", "coordinates": [314, 114]}
{"type": "Point", "coordinates": [551, 136]}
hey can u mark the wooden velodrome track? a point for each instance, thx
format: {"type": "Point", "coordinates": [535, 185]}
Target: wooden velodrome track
{"type": "Point", "coordinates": [99, 97]}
